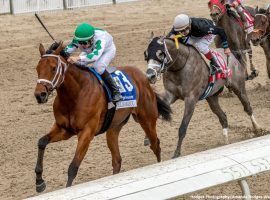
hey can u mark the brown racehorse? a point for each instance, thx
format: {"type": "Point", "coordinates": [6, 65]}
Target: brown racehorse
{"type": "Point", "coordinates": [261, 33]}
{"type": "Point", "coordinates": [80, 107]}
{"type": "Point", "coordinates": [239, 42]}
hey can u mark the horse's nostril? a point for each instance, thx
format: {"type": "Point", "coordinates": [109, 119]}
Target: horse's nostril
{"type": "Point", "coordinates": [43, 94]}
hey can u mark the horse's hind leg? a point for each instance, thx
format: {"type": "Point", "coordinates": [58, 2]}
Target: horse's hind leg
{"type": "Point", "coordinates": [56, 134]}
{"type": "Point", "coordinates": [112, 142]}
{"type": "Point", "coordinates": [215, 107]}
{"type": "Point", "coordinates": [148, 123]}
{"type": "Point", "coordinates": [242, 95]}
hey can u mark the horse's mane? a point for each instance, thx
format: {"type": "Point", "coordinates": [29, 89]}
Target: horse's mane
{"type": "Point", "coordinates": [53, 47]}
{"type": "Point", "coordinates": [64, 54]}
{"type": "Point", "coordinates": [187, 45]}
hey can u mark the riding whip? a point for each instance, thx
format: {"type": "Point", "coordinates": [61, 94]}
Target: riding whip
{"type": "Point", "coordinates": [44, 26]}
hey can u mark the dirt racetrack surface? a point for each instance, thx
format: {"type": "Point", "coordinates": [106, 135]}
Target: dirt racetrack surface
{"type": "Point", "coordinates": [23, 121]}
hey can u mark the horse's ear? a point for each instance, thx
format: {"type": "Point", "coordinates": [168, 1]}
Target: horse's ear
{"type": "Point", "coordinates": [152, 36]}
{"type": "Point", "coordinates": [41, 49]}
{"type": "Point", "coordinates": [257, 9]}
{"type": "Point", "coordinates": [209, 4]}
{"type": "Point", "coordinates": [59, 49]}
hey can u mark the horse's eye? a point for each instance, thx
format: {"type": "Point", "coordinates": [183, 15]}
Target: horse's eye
{"type": "Point", "coordinates": [54, 69]}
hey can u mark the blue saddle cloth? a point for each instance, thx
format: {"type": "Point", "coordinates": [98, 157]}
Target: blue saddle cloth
{"type": "Point", "coordinates": [126, 87]}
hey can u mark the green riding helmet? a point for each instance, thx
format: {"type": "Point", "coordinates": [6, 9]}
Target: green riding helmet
{"type": "Point", "coordinates": [84, 32]}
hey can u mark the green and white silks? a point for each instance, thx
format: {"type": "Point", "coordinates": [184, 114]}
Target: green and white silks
{"type": "Point", "coordinates": [100, 55]}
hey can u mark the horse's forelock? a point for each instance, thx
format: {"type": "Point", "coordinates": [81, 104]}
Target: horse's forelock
{"type": "Point", "coordinates": [262, 11]}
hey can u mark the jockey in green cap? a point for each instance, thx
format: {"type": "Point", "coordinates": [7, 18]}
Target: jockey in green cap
{"type": "Point", "coordinates": [97, 48]}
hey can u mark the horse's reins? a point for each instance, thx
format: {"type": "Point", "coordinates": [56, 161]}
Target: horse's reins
{"type": "Point", "coordinates": [170, 62]}
{"type": "Point", "coordinates": [60, 72]}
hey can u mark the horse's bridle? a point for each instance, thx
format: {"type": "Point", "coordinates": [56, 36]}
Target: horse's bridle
{"type": "Point", "coordinates": [59, 75]}
{"type": "Point", "coordinates": [219, 15]}
{"type": "Point", "coordinates": [264, 35]}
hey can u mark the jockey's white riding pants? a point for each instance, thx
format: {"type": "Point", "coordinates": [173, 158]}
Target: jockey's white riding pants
{"type": "Point", "coordinates": [202, 44]}
{"type": "Point", "coordinates": [104, 60]}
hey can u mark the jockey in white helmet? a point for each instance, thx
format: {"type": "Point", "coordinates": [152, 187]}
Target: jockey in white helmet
{"type": "Point", "coordinates": [98, 49]}
{"type": "Point", "coordinates": [200, 33]}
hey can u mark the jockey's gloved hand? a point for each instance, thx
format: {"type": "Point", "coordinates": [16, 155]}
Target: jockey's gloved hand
{"type": "Point", "coordinates": [228, 6]}
{"type": "Point", "coordinates": [64, 54]}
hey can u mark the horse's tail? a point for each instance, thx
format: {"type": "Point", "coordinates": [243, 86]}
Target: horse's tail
{"type": "Point", "coordinates": [163, 109]}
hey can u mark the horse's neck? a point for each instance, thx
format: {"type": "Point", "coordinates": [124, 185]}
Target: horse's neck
{"type": "Point", "coordinates": [74, 82]}
{"type": "Point", "coordinates": [179, 56]}
{"type": "Point", "coordinates": [233, 31]}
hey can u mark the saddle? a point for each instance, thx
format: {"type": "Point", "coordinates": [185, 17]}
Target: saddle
{"type": "Point", "coordinates": [126, 88]}
{"type": "Point", "coordinates": [226, 72]}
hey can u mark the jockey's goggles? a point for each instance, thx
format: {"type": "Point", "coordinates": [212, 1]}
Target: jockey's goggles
{"type": "Point", "coordinates": [184, 30]}
{"type": "Point", "coordinates": [90, 42]}
{"type": "Point", "coordinates": [83, 42]}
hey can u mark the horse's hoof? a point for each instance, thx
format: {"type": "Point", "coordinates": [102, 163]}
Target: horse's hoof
{"type": "Point", "coordinates": [41, 187]}
{"type": "Point", "coordinates": [176, 155]}
{"type": "Point", "coordinates": [253, 75]}
{"type": "Point", "coordinates": [146, 142]}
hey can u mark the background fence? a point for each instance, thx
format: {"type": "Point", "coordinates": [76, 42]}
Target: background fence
{"type": "Point", "coordinates": [24, 6]}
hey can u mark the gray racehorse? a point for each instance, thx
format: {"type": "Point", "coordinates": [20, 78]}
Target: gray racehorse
{"type": "Point", "coordinates": [239, 41]}
{"type": "Point", "coordinates": [186, 77]}
{"type": "Point", "coordinates": [261, 33]}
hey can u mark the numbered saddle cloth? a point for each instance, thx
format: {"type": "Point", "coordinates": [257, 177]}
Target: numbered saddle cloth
{"type": "Point", "coordinates": [127, 89]}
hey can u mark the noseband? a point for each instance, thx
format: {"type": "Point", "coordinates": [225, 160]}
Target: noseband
{"type": "Point", "coordinates": [59, 75]}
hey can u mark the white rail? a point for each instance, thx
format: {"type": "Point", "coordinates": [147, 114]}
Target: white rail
{"type": "Point", "coordinates": [177, 177]}
{"type": "Point", "coordinates": [24, 6]}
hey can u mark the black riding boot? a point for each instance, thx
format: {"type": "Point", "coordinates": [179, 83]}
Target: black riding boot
{"type": "Point", "coordinates": [110, 82]}
{"type": "Point", "coordinates": [214, 66]}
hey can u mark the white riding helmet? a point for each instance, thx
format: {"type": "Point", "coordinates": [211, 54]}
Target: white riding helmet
{"type": "Point", "coordinates": [181, 22]}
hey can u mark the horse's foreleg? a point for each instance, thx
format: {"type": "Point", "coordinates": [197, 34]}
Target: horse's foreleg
{"type": "Point", "coordinates": [84, 138]}
{"type": "Point", "coordinates": [215, 107]}
{"type": "Point", "coordinates": [112, 142]}
{"type": "Point", "coordinates": [254, 72]}
{"type": "Point", "coordinates": [189, 109]}
{"type": "Point", "coordinates": [56, 134]}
